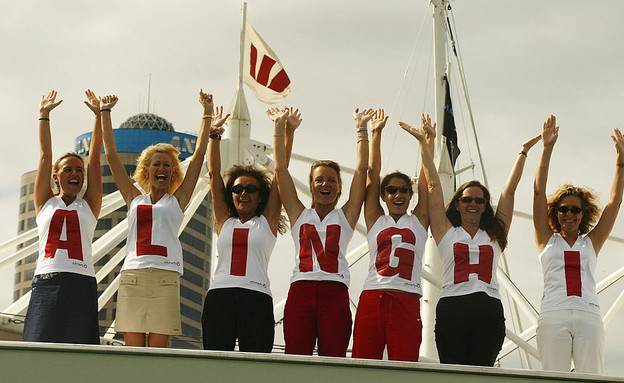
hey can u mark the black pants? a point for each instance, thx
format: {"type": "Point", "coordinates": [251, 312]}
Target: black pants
{"type": "Point", "coordinates": [469, 329]}
{"type": "Point", "coordinates": [237, 313]}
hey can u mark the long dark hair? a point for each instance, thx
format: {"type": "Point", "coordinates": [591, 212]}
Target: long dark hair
{"type": "Point", "coordinates": [264, 182]}
{"type": "Point", "coordinates": [489, 223]}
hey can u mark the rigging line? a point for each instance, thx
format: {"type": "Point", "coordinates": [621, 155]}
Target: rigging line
{"type": "Point", "coordinates": [402, 86]}
{"type": "Point", "coordinates": [460, 68]}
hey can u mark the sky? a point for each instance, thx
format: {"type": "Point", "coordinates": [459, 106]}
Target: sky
{"type": "Point", "coordinates": [522, 61]}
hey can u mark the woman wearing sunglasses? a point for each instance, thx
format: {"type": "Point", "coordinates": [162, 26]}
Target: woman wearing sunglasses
{"type": "Point", "coordinates": [247, 218]}
{"type": "Point", "coordinates": [388, 313]}
{"type": "Point", "coordinates": [317, 307]}
{"type": "Point", "coordinates": [148, 303]}
{"type": "Point", "coordinates": [569, 239]}
{"type": "Point", "coordinates": [470, 325]}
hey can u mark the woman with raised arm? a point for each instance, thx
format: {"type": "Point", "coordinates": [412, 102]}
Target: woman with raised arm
{"type": "Point", "coordinates": [470, 325]}
{"type": "Point", "coordinates": [247, 218]}
{"type": "Point", "coordinates": [63, 304]}
{"type": "Point", "coordinates": [570, 327]}
{"type": "Point", "coordinates": [317, 306]}
{"type": "Point", "coordinates": [388, 313]}
{"type": "Point", "coordinates": [148, 303]}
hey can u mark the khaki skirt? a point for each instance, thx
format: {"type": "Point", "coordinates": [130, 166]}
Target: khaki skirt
{"type": "Point", "coordinates": [148, 301]}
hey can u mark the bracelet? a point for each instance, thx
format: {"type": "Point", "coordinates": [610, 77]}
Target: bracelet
{"type": "Point", "coordinates": [362, 129]}
{"type": "Point", "coordinates": [105, 110]}
{"type": "Point", "coordinates": [620, 164]}
{"type": "Point", "coordinates": [44, 119]}
{"type": "Point", "coordinates": [205, 116]}
{"type": "Point", "coordinates": [362, 139]}
{"type": "Point", "coordinates": [523, 153]}
{"type": "Point", "coordinates": [215, 136]}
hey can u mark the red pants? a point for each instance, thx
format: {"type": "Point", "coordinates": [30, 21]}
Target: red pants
{"type": "Point", "coordinates": [387, 317]}
{"type": "Point", "coordinates": [317, 310]}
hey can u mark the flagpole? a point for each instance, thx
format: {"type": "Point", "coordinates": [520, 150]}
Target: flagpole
{"type": "Point", "coordinates": [242, 45]}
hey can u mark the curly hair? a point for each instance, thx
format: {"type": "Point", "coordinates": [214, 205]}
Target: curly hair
{"type": "Point", "coordinates": [331, 164]}
{"type": "Point", "coordinates": [395, 174]}
{"type": "Point", "coordinates": [264, 181]}
{"type": "Point", "coordinates": [145, 159]}
{"type": "Point", "coordinates": [492, 225]}
{"type": "Point", "coordinates": [589, 204]}
{"type": "Point", "coordinates": [57, 164]}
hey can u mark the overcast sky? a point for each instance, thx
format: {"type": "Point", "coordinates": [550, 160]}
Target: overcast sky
{"type": "Point", "coordinates": [523, 61]}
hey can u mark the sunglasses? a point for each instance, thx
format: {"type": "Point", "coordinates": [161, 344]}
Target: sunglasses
{"type": "Point", "coordinates": [478, 200]}
{"type": "Point", "coordinates": [573, 209]}
{"type": "Point", "coordinates": [250, 189]}
{"type": "Point", "coordinates": [405, 189]}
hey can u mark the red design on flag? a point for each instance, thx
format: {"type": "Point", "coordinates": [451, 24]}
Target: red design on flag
{"type": "Point", "coordinates": [263, 72]}
{"type": "Point", "coordinates": [405, 256]}
{"type": "Point", "coordinates": [463, 267]}
{"type": "Point", "coordinates": [240, 239]}
{"type": "Point", "coordinates": [280, 80]}
{"type": "Point", "coordinates": [327, 256]}
{"type": "Point", "coordinates": [73, 241]}
{"type": "Point", "coordinates": [144, 244]}
{"type": "Point", "coordinates": [572, 261]}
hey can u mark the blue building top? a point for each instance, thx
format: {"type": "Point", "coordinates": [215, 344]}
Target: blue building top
{"type": "Point", "coordinates": [135, 140]}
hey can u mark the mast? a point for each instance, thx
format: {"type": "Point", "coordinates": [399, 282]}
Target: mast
{"type": "Point", "coordinates": [432, 262]}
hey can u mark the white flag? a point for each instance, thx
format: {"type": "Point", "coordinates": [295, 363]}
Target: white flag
{"type": "Point", "coordinates": [262, 71]}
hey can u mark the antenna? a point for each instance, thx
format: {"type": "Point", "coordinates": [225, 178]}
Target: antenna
{"type": "Point", "coordinates": [149, 91]}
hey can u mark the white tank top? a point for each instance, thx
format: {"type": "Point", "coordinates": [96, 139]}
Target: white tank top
{"type": "Point", "coordinates": [396, 250]}
{"type": "Point", "coordinates": [320, 247]}
{"type": "Point", "coordinates": [469, 263]}
{"type": "Point", "coordinates": [569, 275]}
{"type": "Point", "coordinates": [65, 236]}
{"type": "Point", "coordinates": [244, 250]}
{"type": "Point", "coordinates": [153, 234]}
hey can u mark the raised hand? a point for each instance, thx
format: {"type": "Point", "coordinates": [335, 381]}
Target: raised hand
{"type": "Point", "coordinates": [294, 119]}
{"type": "Point", "coordinates": [107, 102]}
{"type": "Point", "coordinates": [379, 121]}
{"type": "Point", "coordinates": [362, 118]}
{"type": "Point", "coordinates": [273, 113]}
{"type": "Point", "coordinates": [206, 100]}
{"type": "Point", "coordinates": [430, 131]}
{"type": "Point", "coordinates": [47, 104]}
{"type": "Point", "coordinates": [618, 140]}
{"type": "Point", "coordinates": [414, 131]}
{"type": "Point", "coordinates": [93, 102]}
{"type": "Point", "coordinates": [216, 125]}
{"type": "Point", "coordinates": [527, 145]}
{"type": "Point", "coordinates": [550, 131]}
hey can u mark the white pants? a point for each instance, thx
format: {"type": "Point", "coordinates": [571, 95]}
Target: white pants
{"type": "Point", "coordinates": [566, 335]}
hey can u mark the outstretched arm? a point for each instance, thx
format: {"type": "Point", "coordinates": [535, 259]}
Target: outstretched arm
{"type": "Point", "coordinates": [603, 228]}
{"type": "Point", "coordinates": [543, 232]}
{"type": "Point", "coordinates": [435, 198]}
{"type": "Point", "coordinates": [504, 209]}
{"type": "Point", "coordinates": [421, 210]}
{"type": "Point", "coordinates": [122, 180]}
{"type": "Point", "coordinates": [219, 204]}
{"type": "Point", "coordinates": [185, 191]}
{"type": "Point", "coordinates": [372, 207]}
{"type": "Point", "coordinates": [93, 194]}
{"type": "Point", "coordinates": [273, 210]}
{"type": "Point", "coordinates": [43, 191]}
{"type": "Point", "coordinates": [357, 191]}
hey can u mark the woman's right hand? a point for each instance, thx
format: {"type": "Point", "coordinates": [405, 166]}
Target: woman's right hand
{"type": "Point", "coordinates": [47, 104]}
{"type": "Point", "coordinates": [379, 121]}
{"type": "Point", "coordinates": [418, 133]}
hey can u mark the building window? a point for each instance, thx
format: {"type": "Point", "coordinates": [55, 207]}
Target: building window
{"type": "Point", "coordinates": [23, 190]}
{"type": "Point", "coordinates": [104, 224]}
{"type": "Point", "coordinates": [191, 295]}
{"type": "Point", "coordinates": [20, 226]}
{"type": "Point", "coordinates": [23, 208]}
{"type": "Point", "coordinates": [31, 223]}
{"type": "Point", "coordinates": [193, 278]}
{"type": "Point", "coordinates": [31, 188]}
